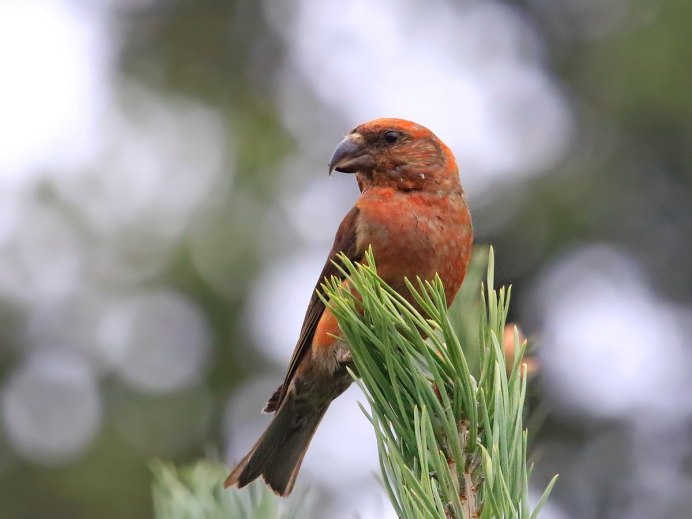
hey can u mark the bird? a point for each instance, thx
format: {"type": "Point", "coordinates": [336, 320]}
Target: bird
{"type": "Point", "coordinates": [413, 213]}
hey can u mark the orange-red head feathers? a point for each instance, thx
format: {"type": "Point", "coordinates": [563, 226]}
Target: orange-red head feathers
{"type": "Point", "coordinates": [398, 153]}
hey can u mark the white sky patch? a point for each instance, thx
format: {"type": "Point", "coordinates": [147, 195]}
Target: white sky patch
{"type": "Point", "coordinates": [55, 59]}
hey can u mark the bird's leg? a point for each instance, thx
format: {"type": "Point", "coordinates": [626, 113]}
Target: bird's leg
{"type": "Point", "coordinates": [343, 355]}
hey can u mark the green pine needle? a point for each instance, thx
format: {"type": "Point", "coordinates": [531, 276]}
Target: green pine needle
{"type": "Point", "coordinates": [196, 492]}
{"type": "Point", "coordinates": [447, 410]}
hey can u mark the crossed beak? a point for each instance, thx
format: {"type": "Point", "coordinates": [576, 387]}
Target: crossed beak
{"type": "Point", "coordinates": [351, 155]}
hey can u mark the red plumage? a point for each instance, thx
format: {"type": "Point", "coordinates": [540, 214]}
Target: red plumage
{"type": "Point", "coordinates": [413, 213]}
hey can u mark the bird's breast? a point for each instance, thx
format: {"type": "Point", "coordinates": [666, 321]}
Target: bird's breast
{"type": "Point", "coordinates": [416, 235]}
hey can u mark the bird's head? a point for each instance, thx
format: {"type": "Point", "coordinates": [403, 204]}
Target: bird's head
{"type": "Point", "coordinates": [396, 153]}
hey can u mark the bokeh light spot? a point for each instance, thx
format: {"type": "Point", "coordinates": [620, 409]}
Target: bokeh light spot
{"type": "Point", "coordinates": [608, 344]}
{"type": "Point", "coordinates": [51, 407]}
{"type": "Point", "coordinates": [164, 339]}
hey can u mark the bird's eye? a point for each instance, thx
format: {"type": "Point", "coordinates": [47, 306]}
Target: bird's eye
{"type": "Point", "coordinates": [391, 137]}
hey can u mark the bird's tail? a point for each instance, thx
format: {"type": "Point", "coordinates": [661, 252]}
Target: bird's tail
{"type": "Point", "coordinates": [278, 454]}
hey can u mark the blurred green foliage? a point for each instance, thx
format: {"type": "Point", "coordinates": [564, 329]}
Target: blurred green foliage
{"type": "Point", "coordinates": [194, 492]}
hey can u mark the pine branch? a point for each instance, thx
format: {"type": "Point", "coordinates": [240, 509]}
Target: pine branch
{"type": "Point", "coordinates": [196, 492]}
{"type": "Point", "coordinates": [452, 443]}
{"type": "Point", "coordinates": [448, 420]}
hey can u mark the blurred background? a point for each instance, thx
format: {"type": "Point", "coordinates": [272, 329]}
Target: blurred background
{"type": "Point", "coordinates": [165, 210]}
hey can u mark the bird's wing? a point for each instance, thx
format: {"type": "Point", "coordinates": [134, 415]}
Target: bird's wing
{"type": "Point", "coordinates": [344, 242]}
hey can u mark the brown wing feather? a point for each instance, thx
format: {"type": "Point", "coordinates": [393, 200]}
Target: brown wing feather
{"type": "Point", "coordinates": [345, 241]}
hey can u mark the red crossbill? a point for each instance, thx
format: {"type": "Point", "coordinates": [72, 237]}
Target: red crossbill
{"type": "Point", "coordinates": [413, 213]}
